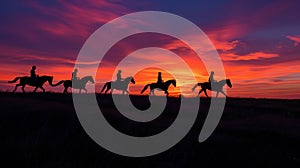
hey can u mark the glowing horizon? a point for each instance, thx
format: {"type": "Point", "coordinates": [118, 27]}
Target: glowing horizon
{"type": "Point", "coordinates": [258, 43]}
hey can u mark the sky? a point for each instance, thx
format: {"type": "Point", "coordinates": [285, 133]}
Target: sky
{"type": "Point", "coordinates": [258, 42]}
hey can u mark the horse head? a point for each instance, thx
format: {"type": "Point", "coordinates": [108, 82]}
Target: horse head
{"type": "Point", "coordinates": [91, 79]}
{"type": "Point", "coordinates": [129, 79]}
{"type": "Point", "coordinates": [49, 79]}
{"type": "Point", "coordinates": [173, 82]}
{"type": "Point", "coordinates": [132, 80]}
{"type": "Point", "coordinates": [228, 82]}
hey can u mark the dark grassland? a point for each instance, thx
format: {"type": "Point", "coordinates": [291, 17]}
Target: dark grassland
{"type": "Point", "coordinates": [42, 130]}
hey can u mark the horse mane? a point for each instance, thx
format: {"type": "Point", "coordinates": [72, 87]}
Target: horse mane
{"type": "Point", "coordinates": [87, 77]}
{"type": "Point", "coordinates": [46, 76]}
{"type": "Point", "coordinates": [171, 80]}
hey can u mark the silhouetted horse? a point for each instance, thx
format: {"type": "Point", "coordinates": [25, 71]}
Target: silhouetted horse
{"type": "Point", "coordinates": [78, 84]}
{"type": "Point", "coordinates": [164, 86]}
{"type": "Point", "coordinates": [38, 83]}
{"type": "Point", "coordinates": [122, 85]}
{"type": "Point", "coordinates": [218, 87]}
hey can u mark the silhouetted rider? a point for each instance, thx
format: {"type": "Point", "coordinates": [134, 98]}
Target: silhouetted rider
{"type": "Point", "coordinates": [159, 79]}
{"type": "Point", "coordinates": [211, 79]}
{"type": "Point", "coordinates": [74, 75]}
{"type": "Point", "coordinates": [33, 75]}
{"type": "Point", "coordinates": [119, 77]}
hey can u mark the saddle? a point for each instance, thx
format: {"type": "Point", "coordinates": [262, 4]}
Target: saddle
{"type": "Point", "coordinates": [75, 82]}
{"type": "Point", "coordinates": [118, 83]}
{"type": "Point", "coordinates": [160, 84]}
{"type": "Point", "coordinates": [210, 84]}
{"type": "Point", "coordinates": [33, 81]}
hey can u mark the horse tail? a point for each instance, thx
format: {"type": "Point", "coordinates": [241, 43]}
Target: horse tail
{"type": "Point", "coordinates": [146, 87]}
{"type": "Point", "coordinates": [195, 87]}
{"type": "Point", "coordinates": [58, 83]}
{"type": "Point", "coordinates": [15, 80]}
{"type": "Point", "coordinates": [105, 85]}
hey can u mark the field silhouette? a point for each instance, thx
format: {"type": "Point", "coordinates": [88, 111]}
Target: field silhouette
{"type": "Point", "coordinates": [42, 130]}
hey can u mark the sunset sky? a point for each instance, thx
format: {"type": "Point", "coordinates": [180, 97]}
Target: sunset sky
{"type": "Point", "coordinates": [258, 42]}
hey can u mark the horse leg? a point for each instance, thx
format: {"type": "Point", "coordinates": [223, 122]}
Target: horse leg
{"type": "Point", "coordinates": [205, 93]}
{"type": "Point", "coordinates": [17, 85]}
{"type": "Point", "coordinates": [42, 89]}
{"type": "Point", "coordinates": [80, 90]}
{"type": "Point", "coordinates": [23, 86]}
{"type": "Point", "coordinates": [106, 91]}
{"type": "Point", "coordinates": [85, 90]}
{"type": "Point", "coordinates": [108, 88]}
{"type": "Point", "coordinates": [35, 89]}
{"type": "Point", "coordinates": [223, 93]}
{"type": "Point", "coordinates": [66, 90]}
{"type": "Point", "coordinates": [111, 91]}
{"type": "Point", "coordinates": [200, 92]}
{"type": "Point", "coordinates": [217, 94]}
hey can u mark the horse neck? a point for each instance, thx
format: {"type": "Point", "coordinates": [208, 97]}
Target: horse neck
{"type": "Point", "coordinates": [222, 82]}
{"type": "Point", "coordinates": [127, 80]}
{"type": "Point", "coordinates": [169, 82]}
{"type": "Point", "coordinates": [46, 78]}
{"type": "Point", "coordinates": [85, 79]}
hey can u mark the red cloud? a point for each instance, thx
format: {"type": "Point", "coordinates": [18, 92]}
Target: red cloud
{"type": "Point", "coordinates": [251, 56]}
{"type": "Point", "coordinates": [296, 39]}
{"type": "Point", "coordinates": [76, 18]}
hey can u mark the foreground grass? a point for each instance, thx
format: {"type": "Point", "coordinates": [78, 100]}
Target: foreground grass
{"type": "Point", "coordinates": [42, 130]}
